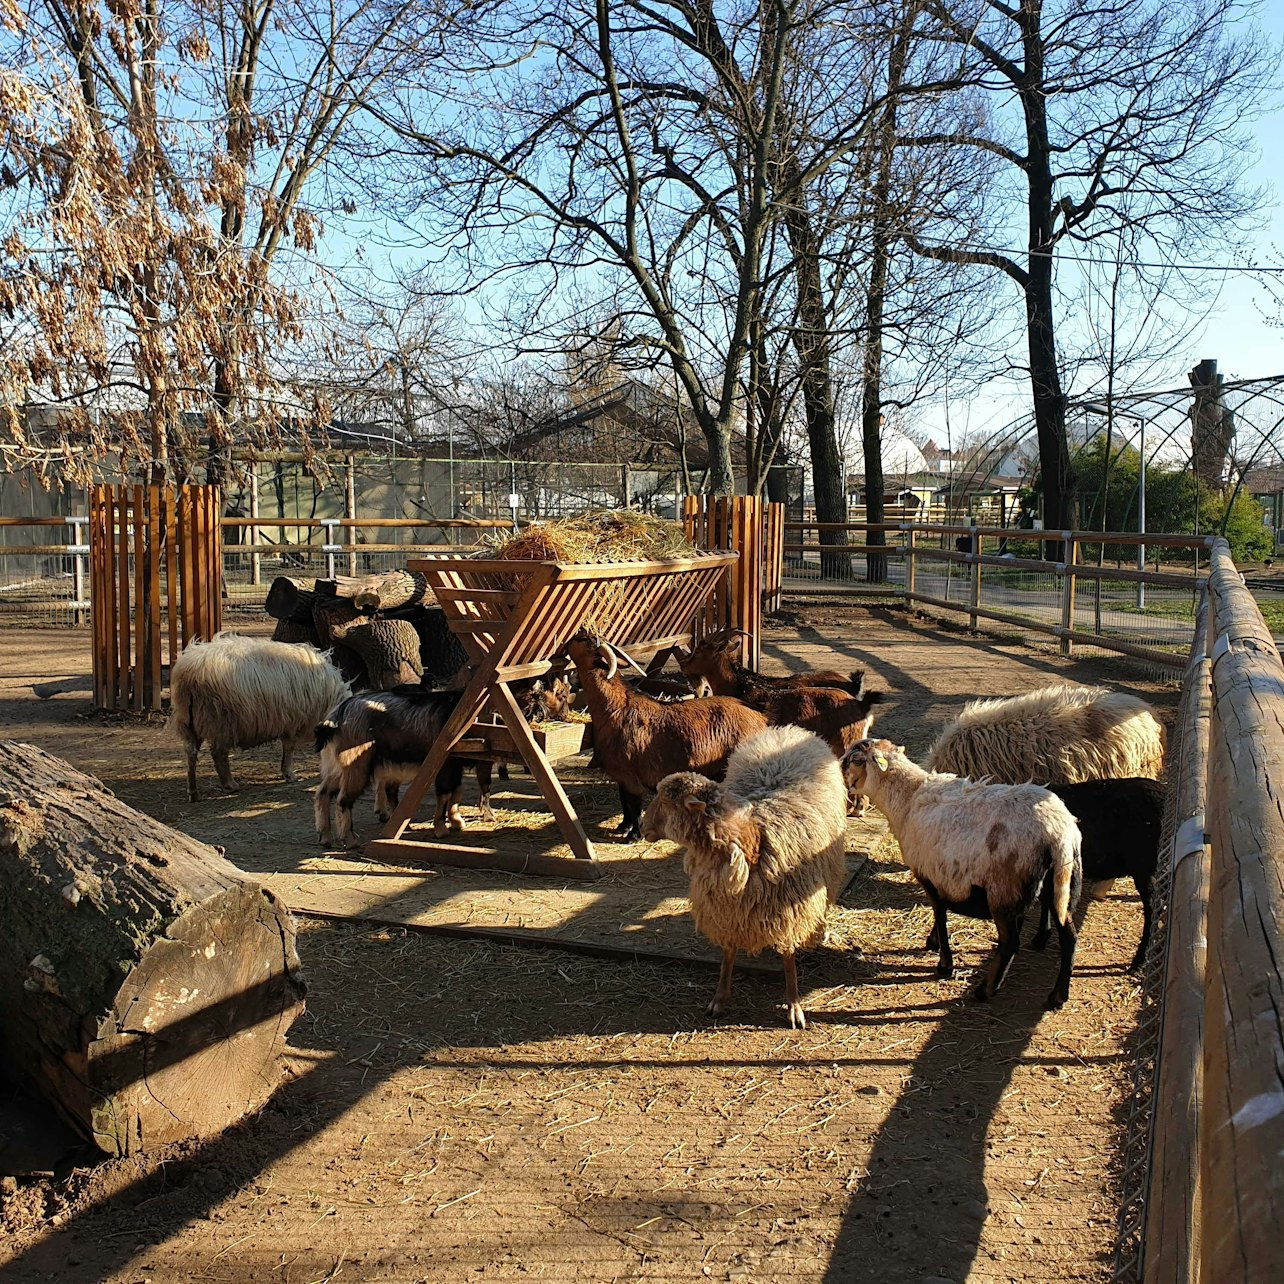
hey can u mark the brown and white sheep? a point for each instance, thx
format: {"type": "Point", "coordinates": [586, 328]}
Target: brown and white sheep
{"type": "Point", "coordinates": [764, 850]}
{"type": "Point", "coordinates": [637, 741]}
{"type": "Point", "coordinates": [235, 692]}
{"type": "Point", "coordinates": [1054, 736]}
{"type": "Point", "coordinates": [984, 850]}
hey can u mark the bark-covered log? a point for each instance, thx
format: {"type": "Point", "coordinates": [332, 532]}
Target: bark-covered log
{"type": "Point", "coordinates": [327, 614]}
{"type": "Point", "coordinates": [389, 649]}
{"type": "Point", "coordinates": [440, 651]}
{"type": "Point", "coordinates": [288, 631]}
{"type": "Point", "coordinates": [146, 985]}
{"type": "Point", "coordinates": [290, 599]}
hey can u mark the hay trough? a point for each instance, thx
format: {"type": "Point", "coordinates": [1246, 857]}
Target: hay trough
{"type": "Point", "coordinates": [514, 616]}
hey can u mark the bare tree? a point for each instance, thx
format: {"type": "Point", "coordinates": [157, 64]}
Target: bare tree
{"type": "Point", "coordinates": [1104, 116]}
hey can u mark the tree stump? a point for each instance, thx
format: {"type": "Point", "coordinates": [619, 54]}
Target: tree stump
{"type": "Point", "coordinates": [146, 985]}
{"type": "Point", "coordinates": [440, 652]}
{"type": "Point", "coordinates": [327, 614]}
{"type": "Point", "coordinates": [290, 599]}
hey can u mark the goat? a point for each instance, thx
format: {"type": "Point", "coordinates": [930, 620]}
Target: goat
{"type": "Point", "coordinates": [713, 659]}
{"type": "Point", "coordinates": [765, 850]}
{"type": "Point", "coordinates": [236, 692]}
{"type": "Point", "coordinates": [1053, 736]}
{"type": "Point", "coordinates": [385, 737]}
{"type": "Point", "coordinates": [637, 741]}
{"type": "Point", "coordinates": [984, 850]}
{"type": "Point", "coordinates": [1120, 821]}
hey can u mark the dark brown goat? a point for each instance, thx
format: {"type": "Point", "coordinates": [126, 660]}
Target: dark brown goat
{"type": "Point", "coordinates": [714, 659]}
{"type": "Point", "coordinates": [638, 741]}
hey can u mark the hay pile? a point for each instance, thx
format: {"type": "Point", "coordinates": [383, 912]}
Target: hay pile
{"type": "Point", "coordinates": [601, 535]}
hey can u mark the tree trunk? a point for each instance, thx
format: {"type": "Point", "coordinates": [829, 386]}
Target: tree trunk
{"type": "Point", "coordinates": [389, 650]}
{"type": "Point", "coordinates": [146, 986]}
{"type": "Point", "coordinates": [811, 341]}
{"type": "Point", "coordinates": [291, 599]}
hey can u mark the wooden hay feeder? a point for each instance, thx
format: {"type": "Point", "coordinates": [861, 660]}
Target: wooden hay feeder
{"type": "Point", "coordinates": [515, 618]}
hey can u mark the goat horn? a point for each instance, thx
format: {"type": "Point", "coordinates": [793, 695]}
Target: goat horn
{"type": "Point", "coordinates": [611, 662]}
{"type": "Point", "coordinates": [682, 653]}
{"type": "Point", "coordinates": [627, 658]}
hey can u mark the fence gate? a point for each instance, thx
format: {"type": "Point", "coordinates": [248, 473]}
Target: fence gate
{"type": "Point", "coordinates": [755, 530]}
{"type": "Point", "coordinates": [155, 580]}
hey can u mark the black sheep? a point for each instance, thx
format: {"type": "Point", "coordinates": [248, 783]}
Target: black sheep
{"type": "Point", "coordinates": [1120, 821]}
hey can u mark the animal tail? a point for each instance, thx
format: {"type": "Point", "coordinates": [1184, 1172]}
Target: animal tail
{"type": "Point", "coordinates": [326, 730]}
{"type": "Point", "coordinates": [1067, 873]}
{"type": "Point", "coordinates": [856, 683]}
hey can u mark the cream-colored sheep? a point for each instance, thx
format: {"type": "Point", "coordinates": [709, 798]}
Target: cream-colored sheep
{"type": "Point", "coordinates": [236, 692]}
{"type": "Point", "coordinates": [765, 849]}
{"type": "Point", "coordinates": [1053, 736]}
{"type": "Point", "coordinates": [984, 850]}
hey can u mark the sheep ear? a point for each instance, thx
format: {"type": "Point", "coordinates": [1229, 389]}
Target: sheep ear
{"type": "Point", "coordinates": [694, 804]}
{"type": "Point", "coordinates": [880, 760]}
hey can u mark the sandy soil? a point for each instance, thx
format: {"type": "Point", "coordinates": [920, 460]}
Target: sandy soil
{"type": "Point", "coordinates": [456, 1109]}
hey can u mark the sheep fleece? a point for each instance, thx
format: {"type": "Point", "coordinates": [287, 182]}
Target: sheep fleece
{"type": "Point", "coordinates": [1053, 736]}
{"type": "Point", "coordinates": [237, 692]}
{"type": "Point", "coordinates": [793, 788]}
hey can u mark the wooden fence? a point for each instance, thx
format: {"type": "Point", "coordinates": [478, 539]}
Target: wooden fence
{"type": "Point", "coordinates": [755, 529]}
{"type": "Point", "coordinates": [1214, 1203]}
{"type": "Point", "coordinates": [155, 576]}
{"type": "Point", "coordinates": [920, 545]}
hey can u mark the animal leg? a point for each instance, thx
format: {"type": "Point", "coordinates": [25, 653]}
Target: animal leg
{"type": "Point", "coordinates": [939, 937]}
{"type": "Point", "coordinates": [1043, 933]}
{"type": "Point", "coordinates": [722, 995]}
{"type": "Point", "coordinates": [347, 835]}
{"type": "Point", "coordinates": [224, 769]}
{"type": "Point", "coordinates": [1066, 939]}
{"type": "Point", "coordinates": [1143, 890]}
{"type": "Point", "coordinates": [793, 1002]}
{"type": "Point", "coordinates": [503, 771]}
{"type": "Point", "coordinates": [1008, 926]}
{"type": "Point", "coordinates": [321, 809]}
{"type": "Point", "coordinates": [287, 761]}
{"type": "Point", "coordinates": [193, 749]}
{"type": "Point", "coordinates": [630, 829]}
{"type": "Point", "coordinates": [387, 792]}
{"type": "Point", "coordinates": [484, 771]}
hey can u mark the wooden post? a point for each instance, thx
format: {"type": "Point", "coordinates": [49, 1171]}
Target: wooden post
{"type": "Point", "coordinates": [256, 558]}
{"type": "Point", "coordinates": [1068, 591]}
{"type": "Point", "coordinates": [350, 509]}
{"type": "Point", "coordinates": [1242, 1178]}
{"type": "Point", "coordinates": [911, 566]}
{"type": "Point", "coordinates": [976, 580]}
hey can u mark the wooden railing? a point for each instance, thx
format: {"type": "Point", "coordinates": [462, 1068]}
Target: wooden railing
{"type": "Point", "coordinates": [916, 544]}
{"type": "Point", "coordinates": [1215, 1190]}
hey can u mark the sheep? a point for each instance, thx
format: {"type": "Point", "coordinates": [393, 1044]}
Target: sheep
{"type": "Point", "coordinates": [765, 850]}
{"type": "Point", "coordinates": [385, 737]}
{"type": "Point", "coordinates": [236, 692]}
{"type": "Point", "coordinates": [637, 741]}
{"type": "Point", "coordinates": [713, 659]}
{"type": "Point", "coordinates": [980, 849]}
{"type": "Point", "coordinates": [1053, 736]}
{"type": "Point", "coordinates": [1120, 821]}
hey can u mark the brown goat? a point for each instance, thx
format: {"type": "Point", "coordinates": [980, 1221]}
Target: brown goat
{"type": "Point", "coordinates": [713, 658]}
{"type": "Point", "coordinates": [638, 741]}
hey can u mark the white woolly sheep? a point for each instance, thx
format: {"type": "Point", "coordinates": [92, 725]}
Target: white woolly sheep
{"type": "Point", "coordinates": [236, 692]}
{"type": "Point", "coordinates": [984, 850]}
{"type": "Point", "coordinates": [765, 849]}
{"type": "Point", "coordinates": [1053, 736]}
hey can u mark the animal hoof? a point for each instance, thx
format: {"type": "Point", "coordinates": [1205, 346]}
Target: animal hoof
{"type": "Point", "coordinates": [456, 822]}
{"type": "Point", "coordinates": [797, 1017]}
{"type": "Point", "coordinates": [944, 971]}
{"type": "Point", "coordinates": [633, 835]}
{"type": "Point", "coordinates": [1055, 1000]}
{"type": "Point", "coordinates": [982, 993]}
{"type": "Point", "coordinates": [1040, 940]}
{"type": "Point", "coordinates": [382, 817]}
{"type": "Point", "coordinates": [487, 815]}
{"type": "Point", "coordinates": [716, 1008]}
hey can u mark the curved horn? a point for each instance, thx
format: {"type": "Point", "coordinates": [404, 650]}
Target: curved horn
{"type": "Point", "coordinates": [682, 654]}
{"type": "Point", "coordinates": [611, 662]}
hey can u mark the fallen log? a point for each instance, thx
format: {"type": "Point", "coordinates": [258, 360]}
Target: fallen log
{"type": "Point", "coordinates": [389, 650]}
{"type": "Point", "coordinates": [295, 600]}
{"type": "Point", "coordinates": [146, 985]}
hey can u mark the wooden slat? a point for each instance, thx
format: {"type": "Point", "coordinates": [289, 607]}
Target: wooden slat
{"type": "Point", "coordinates": [409, 851]}
{"type": "Point", "coordinates": [122, 600]}
{"type": "Point", "coordinates": [141, 626]}
{"type": "Point", "coordinates": [172, 592]}
{"type": "Point", "coordinates": [153, 597]}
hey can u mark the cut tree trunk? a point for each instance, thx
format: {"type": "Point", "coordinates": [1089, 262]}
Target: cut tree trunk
{"type": "Point", "coordinates": [389, 650]}
{"type": "Point", "coordinates": [440, 652]}
{"type": "Point", "coordinates": [146, 985]}
{"type": "Point", "coordinates": [292, 599]}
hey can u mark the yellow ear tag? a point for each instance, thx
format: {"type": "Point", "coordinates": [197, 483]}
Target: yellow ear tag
{"type": "Point", "coordinates": [880, 760]}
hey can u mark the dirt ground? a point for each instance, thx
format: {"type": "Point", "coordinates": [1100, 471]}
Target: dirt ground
{"type": "Point", "coordinates": [457, 1109]}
